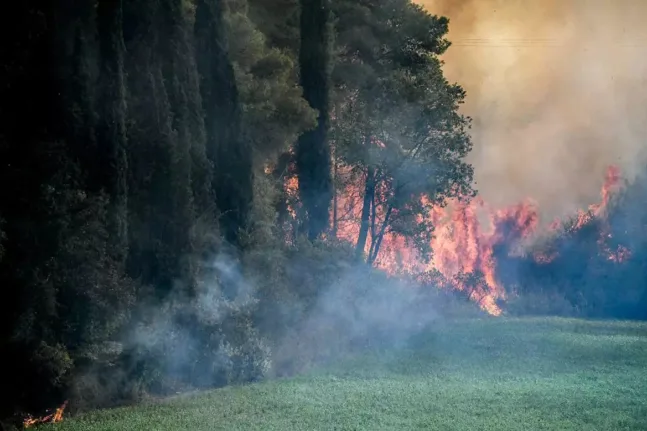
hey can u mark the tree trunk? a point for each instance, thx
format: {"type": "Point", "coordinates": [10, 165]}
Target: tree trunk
{"type": "Point", "coordinates": [375, 246]}
{"type": "Point", "coordinates": [312, 151]}
{"type": "Point", "coordinates": [335, 224]}
{"type": "Point", "coordinates": [369, 193]}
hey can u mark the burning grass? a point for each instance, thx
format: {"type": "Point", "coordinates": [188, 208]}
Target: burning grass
{"type": "Point", "coordinates": [54, 417]}
{"type": "Point", "coordinates": [479, 374]}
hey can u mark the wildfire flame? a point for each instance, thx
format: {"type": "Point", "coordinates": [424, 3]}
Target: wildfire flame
{"type": "Point", "coordinates": [56, 416]}
{"type": "Point", "coordinates": [463, 245]}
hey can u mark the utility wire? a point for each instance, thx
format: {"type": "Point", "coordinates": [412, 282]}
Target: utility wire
{"type": "Point", "coordinates": [541, 43]}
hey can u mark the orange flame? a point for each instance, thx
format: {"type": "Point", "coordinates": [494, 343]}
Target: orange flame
{"type": "Point", "coordinates": [462, 244]}
{"type": "Point", "coordinates": [55, 417]}
{"type": "Point", "coordinates": [611, 183]}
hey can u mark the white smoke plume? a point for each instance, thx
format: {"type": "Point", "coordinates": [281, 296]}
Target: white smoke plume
{"type": "Point", "coordinates": [557, 90]}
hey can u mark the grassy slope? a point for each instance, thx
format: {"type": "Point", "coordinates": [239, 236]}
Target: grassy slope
{"type": "Point", "coordinates": [493, 374]}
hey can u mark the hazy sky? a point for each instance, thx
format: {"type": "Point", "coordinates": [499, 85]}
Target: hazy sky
{"type": "Point", "coordinates": [557, 90]}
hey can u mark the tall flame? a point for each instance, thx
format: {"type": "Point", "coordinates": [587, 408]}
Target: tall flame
{"type": "Point", "coordinates": [469, 237]}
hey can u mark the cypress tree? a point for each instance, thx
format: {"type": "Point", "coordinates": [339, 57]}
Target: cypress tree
{"type": "Point", "coordinates": [30, 126]}
{"type": "Point", "coordinates": [112, 165]}
{"type": "Point", "coordinates": [178, 68]}
{"type": "Point", "coordinates": [312, 152]}
{"type": "Point", "coordinates": [152, 257]}
{"type": "Point", "coordinates": [230, 154]}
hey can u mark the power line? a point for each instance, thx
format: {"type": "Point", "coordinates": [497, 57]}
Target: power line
{"type": "Point", "coordinates": [454, 45]}
{"type": "Point", "coordinates": [542, 42]}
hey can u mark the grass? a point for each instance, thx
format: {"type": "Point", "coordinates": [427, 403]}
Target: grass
{"type": "Point", "coordinates": [490, 374]}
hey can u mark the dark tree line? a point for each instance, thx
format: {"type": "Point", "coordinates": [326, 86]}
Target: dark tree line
{"type": "Point", "coordinates": [122, 150]}
{"type": "Point", "coordinates": [126, 164]}
{"type": "Point", "coordinates": [144, 151]}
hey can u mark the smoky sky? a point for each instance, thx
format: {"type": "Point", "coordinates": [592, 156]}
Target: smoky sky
{"type": "Point", "coordinates": [557, 90]}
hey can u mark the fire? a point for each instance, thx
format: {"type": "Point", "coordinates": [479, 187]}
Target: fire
{"type": "Point", "coordinates": [55, 417]}
{"type": "Point", "coordinates": [463, 245]}
{"type": "Point", "coordinates": [470, 238]}
{"type": "Point", "coordinates": [611, 183]}
{"type": "Point", "coordinates": [292, 188]}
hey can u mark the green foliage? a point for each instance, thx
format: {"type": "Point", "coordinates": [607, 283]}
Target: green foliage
{"type": "Point", "coordinates": [541, 303]}
{"type": "Point", "coordinates": [75, 296]}
{"type": "Point", "coordinates": [396, 116]}
{"type": "Point", "coordinates": [227, 149]}
{"type": "Point", "coordinates": [206, 341]}
{"type": "Point", "coordinates": [111, 128]}
{"type": "Point", "coordinates": [279, 21]}
{"type": "Point", "coordinates": [94, 293]}
{"type": "Point", "coordinates": [51, 362]}
{"type": "Point", "coordinates": [289, 279]}
{"type": "Point", "coordinates": [325, 305]}
{"type": "Point", "coordinates": [274, 111]}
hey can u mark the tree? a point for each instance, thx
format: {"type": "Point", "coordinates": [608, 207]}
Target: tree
{"type": "Point", "coordinates": [278, 21]}
{"type": "Point", "coordinates": [112, 158]}
{"type": "Point", "coordinates": [65, 284]}
{"type": "Point", "coordinates": [312, 150]}
{"type": "Point", "coordinates": [273, 108]}
{"type": "Point", "coordinates": [229, 153]}
{"type": "Point", "coordinates": [162, 121]}
{"type": "Point", "coordinates": [2, 239]}
{"type": "Point", "coordinates": [274, 112]}
{"type": "Point", "coordinates": [397, 119]}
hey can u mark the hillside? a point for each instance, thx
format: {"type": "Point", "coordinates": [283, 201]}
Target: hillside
{"type": "Point", "coordinates": [489, 374]}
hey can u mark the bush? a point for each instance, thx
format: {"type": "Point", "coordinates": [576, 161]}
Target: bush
{"type": "Point", "coordinates": [101, 379]}
{"type": "Point", "coordinates": [336, 306]}
{"type": "Point", "coordinates": [547, 303]}
{"type": "Point", "coordinates": [597, 267]}
{"type": "Point", "coordinates": [204, 341]}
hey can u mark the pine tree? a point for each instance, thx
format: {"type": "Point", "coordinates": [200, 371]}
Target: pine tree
{"type": "Point", "coordinates": [278, 20]}
{"type": "Point", "coordinates": [397, 118]}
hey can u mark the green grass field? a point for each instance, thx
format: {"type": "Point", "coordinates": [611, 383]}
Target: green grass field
{"type": "Point", "coordinates": [490, 374]}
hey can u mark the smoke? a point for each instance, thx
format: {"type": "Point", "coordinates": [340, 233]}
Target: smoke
{"type": "Point", "coordinates": [557, 91]}
{"type": "Point", "coordinates": [339, 310]}
{"type": "Point", "coordinates": [361, 310]}
{"type": "Point", "coordinates": [198, 339]}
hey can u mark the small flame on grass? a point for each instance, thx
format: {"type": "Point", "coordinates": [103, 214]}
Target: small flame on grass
{"type": "Point", "coordinates": [56, 416]}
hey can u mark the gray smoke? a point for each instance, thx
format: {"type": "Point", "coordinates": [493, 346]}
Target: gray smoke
{"type": "Point", "coordinates": [557, 90]}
